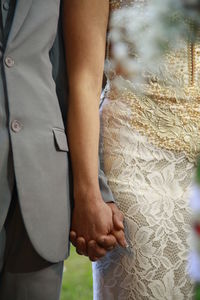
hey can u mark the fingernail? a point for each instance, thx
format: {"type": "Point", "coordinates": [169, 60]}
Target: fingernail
{"type": "Point", "coordinates": [122, 224]}
{"type": "Point", "coordinates": [126, 245]}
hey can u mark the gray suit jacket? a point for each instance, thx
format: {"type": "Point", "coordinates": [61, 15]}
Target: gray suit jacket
{"type": "Point", "coordinates": [37, 103]}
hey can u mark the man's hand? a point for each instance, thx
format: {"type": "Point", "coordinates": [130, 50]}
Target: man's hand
{"type": "Point", "coordinates": [92, 219]}
{"type": "Point", "coordinates": [97, 248]}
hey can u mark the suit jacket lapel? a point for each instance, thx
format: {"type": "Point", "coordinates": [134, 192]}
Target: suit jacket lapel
{"type": "Point", "coordinates": [21, 11]}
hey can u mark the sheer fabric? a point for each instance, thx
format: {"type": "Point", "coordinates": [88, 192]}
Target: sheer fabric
{"type": "Point", "coordinates": [149, 145]}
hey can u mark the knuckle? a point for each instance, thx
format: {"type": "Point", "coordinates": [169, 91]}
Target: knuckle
{"type": "Point", "coordinates": [79, 252]}
{"type": "Point", "coordinates": [100, 252]}
{"type": "Point", "coordinates": [94, 247]}
{"type": "Point", "coordinates": [73, 241]}
{"type": "Point", "coordinates": [91, 243]}
{"type": "Point", "coordinates": [93, 259]}
{"type": "Point", "coordinates": [79, 240]}
{"type": "Point", "coordinates": [79, 246]}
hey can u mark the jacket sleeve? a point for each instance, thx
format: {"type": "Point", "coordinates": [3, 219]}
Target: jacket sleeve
{"type": "Point", "coordinates": [106, 192]}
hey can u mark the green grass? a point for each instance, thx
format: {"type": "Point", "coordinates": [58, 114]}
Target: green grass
{"type": "Point", "coordinates": [77, 278]}
{"type": "Point", "coordinates": [197, 292]}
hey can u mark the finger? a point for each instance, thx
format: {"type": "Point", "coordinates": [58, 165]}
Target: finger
{"type": "Point", "coordinates": [81, 246]}
{"type": "Point", "coordinates": [93, 259]}
{"type": "Point", "coordinates": [110, 248]}
{"type": "Point", "coordinates": [95, 251]}
{"type": "Point", "coordinates": [91, 254]}
{"type": "Point", "coordinates": [107, 242]}
{"type": "Point", "coordinates": [119, 235]}
{"type": "Point", "coordinates": [73, 238]}
{"type": "Point", "coordinates": [118, 216]}
{"type": "Point", "coordinates": [118, 219]}
{"type": "Point", "coordinates": [78, 252]}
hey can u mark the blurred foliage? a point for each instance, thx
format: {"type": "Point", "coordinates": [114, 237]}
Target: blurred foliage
{"type": "Point", "coordinates": [198, 173]}
{"type": "Point", "coordinates": [77, 278]}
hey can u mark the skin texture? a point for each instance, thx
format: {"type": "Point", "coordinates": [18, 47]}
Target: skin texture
{"type": "Point", "coordinates": [105, 243]}
{"type": "Point", "coordinates": [96, 226]}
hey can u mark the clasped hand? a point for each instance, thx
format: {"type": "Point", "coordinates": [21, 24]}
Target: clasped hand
{"type": "Point", "coordinates": [97, 227]}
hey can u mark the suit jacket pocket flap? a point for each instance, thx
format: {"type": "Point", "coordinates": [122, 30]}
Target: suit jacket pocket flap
{"type": "Point", "coordinates": [60, 139]}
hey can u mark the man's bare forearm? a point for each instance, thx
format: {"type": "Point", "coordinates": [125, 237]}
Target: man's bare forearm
{"type": "Point", "coordinates": [85, 25]}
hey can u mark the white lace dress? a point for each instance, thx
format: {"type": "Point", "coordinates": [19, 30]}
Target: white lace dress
{"type": "Point", "coordinates": [149, 146]}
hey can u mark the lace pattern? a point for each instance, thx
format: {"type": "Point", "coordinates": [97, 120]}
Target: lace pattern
{"type": "Point", "coordinates": [149, 144]}
{"type": "Point", "coordinates": [167, 122]}
{"type": "Point", "coordinates": [151, 187]}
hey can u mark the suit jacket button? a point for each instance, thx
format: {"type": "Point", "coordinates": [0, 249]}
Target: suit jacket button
{"type": "Point", "coordinates": [9, 61]}
{"type": "Point", "coordinates": [6, 5]}
{"type": "Point", "coordinates": [16, 126]}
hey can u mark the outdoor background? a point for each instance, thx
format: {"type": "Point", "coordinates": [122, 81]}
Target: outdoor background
{"type": "Point", "coordinates": [77, 278]}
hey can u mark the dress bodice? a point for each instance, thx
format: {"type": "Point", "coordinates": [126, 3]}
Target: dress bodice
{"type": "Point", "coordinates": [117, 4]}
{"type": "Point", "coordinates": [168, 109]}
{"type": "Point", "coordinates": [180, 67]}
